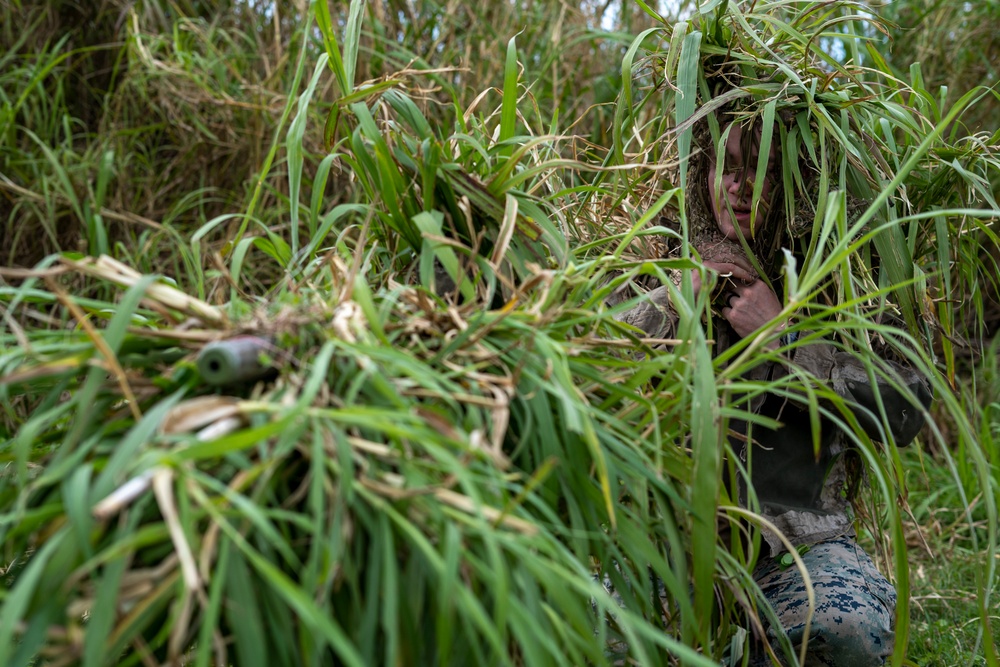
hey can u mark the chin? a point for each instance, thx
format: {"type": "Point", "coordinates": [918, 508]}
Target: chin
{"type": "Point", "coordinates": [728, 230]}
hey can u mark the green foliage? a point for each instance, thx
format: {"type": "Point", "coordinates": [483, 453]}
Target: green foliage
{"type": "Point", "coordinates": [950, 523]}
{"type": "Point", "coordinates": [460, 441]}
{"type": "Point", "coordinates": [956, 46]}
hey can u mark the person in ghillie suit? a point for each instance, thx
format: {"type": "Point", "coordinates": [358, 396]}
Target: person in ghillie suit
{"type": "Point", "coordinates": [799, 492]}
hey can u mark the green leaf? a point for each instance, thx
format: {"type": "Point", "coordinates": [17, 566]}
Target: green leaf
{"type": "Point", "coordinates": [293, 144]}
{"type": "Point", "coordinates": [508, 106]}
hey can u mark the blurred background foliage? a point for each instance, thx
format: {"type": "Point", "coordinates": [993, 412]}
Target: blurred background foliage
{"type": "Point", "coordinates": [955, 44]}
{"type": "Point", "coordinates": [171, 106]}
{"type": "Point", "coordinates": [472, 460]}
{"type": "Point", "coordinates": [136, 123]}
{"type": "Point", "coordinates": [163, 111]}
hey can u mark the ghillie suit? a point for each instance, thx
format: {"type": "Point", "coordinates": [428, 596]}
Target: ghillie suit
{"type": "Point", "coordinates": [773, 228]}
{"type": "Point", "coordinates": [704, 234]}
{"type": "Point", "coordinates": [797, 487]}
{"type": "Point", "coordinates": [653, 315]}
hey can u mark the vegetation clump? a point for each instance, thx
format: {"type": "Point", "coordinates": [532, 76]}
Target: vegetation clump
{"type": "Point", "coordinates": [460, 445]}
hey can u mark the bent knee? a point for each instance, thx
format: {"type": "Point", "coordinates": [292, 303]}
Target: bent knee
{"type": "Point", "coordinates": [838, 638]}
{"type": "Point", "coordinates": [868, 639]}
{"type": "Point", "coordinates": [853, 617]}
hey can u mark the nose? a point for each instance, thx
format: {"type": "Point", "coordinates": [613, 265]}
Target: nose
{"type": "Point", "coordinates": [735, 183]}
{"type": "Point", "coordinates": [739, 181]}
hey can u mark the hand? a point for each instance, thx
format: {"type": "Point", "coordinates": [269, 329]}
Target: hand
{"type": "Point", "coordinates": [750, 307]}
{"type": "Point", "coordinates": [740, 272]}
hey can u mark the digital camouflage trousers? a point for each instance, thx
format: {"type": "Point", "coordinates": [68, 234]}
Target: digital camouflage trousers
{"type": "Point", "coordinates": [855, 606]}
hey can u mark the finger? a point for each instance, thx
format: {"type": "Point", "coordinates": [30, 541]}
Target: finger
{"type": "Point", "coordinates": [740, 289]}
{"type": "Point", "coordinates": [741, 261]}
{"type": "Point", "coordinates": [731, 269]}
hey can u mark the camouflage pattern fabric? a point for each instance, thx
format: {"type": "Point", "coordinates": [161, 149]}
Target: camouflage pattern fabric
{"type": "Point", "coordinates": [855, 606]}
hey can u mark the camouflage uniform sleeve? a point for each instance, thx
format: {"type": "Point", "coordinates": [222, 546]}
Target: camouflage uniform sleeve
{"type": "Point", "coordinates": [654, 314]}
{"type": "Point", "coordinates": [849, 379]}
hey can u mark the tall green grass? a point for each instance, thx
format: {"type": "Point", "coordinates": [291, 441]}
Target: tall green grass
{"type": "Point", "coordinates": [461, 442]}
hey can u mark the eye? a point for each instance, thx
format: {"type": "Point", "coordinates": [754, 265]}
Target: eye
{"type": "Point", "coordinates": [733, 164]}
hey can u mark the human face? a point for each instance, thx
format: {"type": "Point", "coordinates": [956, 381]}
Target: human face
{"type": "Point", "coordinates": [737, 186]}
